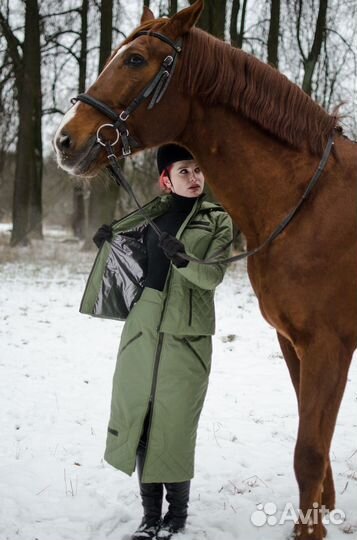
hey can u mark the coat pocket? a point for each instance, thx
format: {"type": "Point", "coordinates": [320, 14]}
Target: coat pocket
{"type": "Point", "coordinates": [202, 227]}
{"type": "Point", "coordinates": [189, 344]}
{"type": "Point", "coordinates": [130, 341]}
{"type": "Point", "coordinates": [190, 300]}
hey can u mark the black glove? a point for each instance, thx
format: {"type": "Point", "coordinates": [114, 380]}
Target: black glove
{"type": "Point", "coordinates": [103, 233]}
{"type": "Point", "coordinates": [172, 247]}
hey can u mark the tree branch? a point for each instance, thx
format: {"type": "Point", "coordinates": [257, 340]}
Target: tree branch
{"type": "Point", "coordinates": [298, 29]}
{"type": "Point", "coordinates": [53, 110]}
{"type": "Point", "coordinates": [74, 10]}
{"type": "Point", "coordinates": [68, 49]}
{"type": "Point", "coordinates": [13, 44]}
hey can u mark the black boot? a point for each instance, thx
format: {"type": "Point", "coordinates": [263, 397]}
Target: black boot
{"type": "Point", "coordinates": [177, 495]}
{"type": "Point", "coordinates": [151, 497]}
{"type": "Point", "coordinates": [147, 529]}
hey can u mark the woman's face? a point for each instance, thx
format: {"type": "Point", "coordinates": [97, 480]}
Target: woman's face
{"type": "Point", "coordinates": [186, 178]}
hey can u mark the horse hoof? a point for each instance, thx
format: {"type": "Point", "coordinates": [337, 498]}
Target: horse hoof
{"type": "Point", "coordinates": [308, 532]}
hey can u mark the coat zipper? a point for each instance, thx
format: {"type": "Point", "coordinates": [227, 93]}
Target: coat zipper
{"type": "Point", "coordinates": [152, 394]}
{"type": "Point", "coordinates": [190, 307]}
{"type": "Point", "coordinates": [156, 367]}
{"type": "Point", "coordinates": [159, 346]}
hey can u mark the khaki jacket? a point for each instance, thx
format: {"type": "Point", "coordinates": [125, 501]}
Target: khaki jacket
{"type": "Point", "coordinates": [118, 275]}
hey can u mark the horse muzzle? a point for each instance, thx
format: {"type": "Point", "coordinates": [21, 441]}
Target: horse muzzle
{"type": "Point", "coordinates": [84, 161]}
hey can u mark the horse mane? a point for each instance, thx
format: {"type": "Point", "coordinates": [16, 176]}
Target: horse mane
{"type": "Point", "coordinates": [218, 73]}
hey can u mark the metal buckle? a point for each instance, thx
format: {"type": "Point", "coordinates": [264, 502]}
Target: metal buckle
{"type": "Point", "coordinates": [101, 141]}
{"type": "Point", "coordinates": [168, 61]}
{"type": "Point", "coordinates": [124, 116]}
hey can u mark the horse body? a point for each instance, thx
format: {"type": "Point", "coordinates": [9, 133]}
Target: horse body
{"type": "Point", "coordinates": [259, 141]}
{"type": "Point", "coordinates": [258, 179]}
{"type": "Point", "coordinates": [306, 280]}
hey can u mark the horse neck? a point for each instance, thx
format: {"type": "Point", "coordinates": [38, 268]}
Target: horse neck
{"type": "Point", "coordinates": [256, 177]}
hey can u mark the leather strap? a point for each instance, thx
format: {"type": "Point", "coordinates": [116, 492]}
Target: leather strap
{"type": "Point", "coordinates": [120, 179]}
{"type": "Point", "coordinates": [177, 46]}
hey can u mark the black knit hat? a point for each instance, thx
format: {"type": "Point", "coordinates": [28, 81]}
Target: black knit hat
{"type": "Point", "coordinates": [169, 154]}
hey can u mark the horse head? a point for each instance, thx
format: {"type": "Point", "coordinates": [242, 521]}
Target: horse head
{"type": "Point", "coordinates": [142, 66]}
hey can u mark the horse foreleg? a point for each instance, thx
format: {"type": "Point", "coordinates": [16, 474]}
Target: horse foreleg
{"type": "Point", "coordinates": [323, 374]}
{"type": "Point", "coordinates": [293, 363]}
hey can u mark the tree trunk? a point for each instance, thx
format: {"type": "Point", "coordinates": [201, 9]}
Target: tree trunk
{"type": "Point", "coordinates": [273, 37]}
{"type": "Point", "coordinates": [213, 17]}
{"type": "Point", "coordinates": [233, 27]}
{"type": "Point", "coordinates": [103, 193]}
{"type": "Point", "coordinates": [310, 61]}
{"type": "Point", "coordinates": [35, 217]}
{"type": "Point", "coordinates": [78, 218]}
{"type": "Point", "coordinates": [27, 206]}
{"type": "Point", "coordinates": [173, 7]}
{"type": "Point", "coordinates": [106, 23]}
{"type": "Point", "coordinates": [242, 24]}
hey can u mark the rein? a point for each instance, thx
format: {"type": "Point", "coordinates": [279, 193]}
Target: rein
{"type": "Point", "coordinates": [120, 179]}
{"type": "Point", "coordinates": [156, 89]}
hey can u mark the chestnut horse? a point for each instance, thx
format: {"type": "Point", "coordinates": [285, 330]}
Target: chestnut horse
{"type": "Point", "coordinates": [258, 138]}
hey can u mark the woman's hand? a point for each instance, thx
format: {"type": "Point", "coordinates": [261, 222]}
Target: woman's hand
{"type": "Point", "coordinates": [172, 247]}
{"type": "Point", "coordinates": [103, 233]}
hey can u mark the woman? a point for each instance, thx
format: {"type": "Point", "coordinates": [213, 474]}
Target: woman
{"type": "Point", "coordinates": [164, 358]}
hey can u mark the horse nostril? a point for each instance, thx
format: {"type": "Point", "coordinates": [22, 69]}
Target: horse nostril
{"type": "Point", "coordinates": [64, 142]}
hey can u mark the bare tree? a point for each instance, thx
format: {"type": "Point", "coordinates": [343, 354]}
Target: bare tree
{"type": "Point", "coordinates": [172, 7]}
{"type": "Point", "coordinates": [233, 26]}
{"type": "Point", "coordinates": [273, 36]}
{"type": "Point", "coordinates": [237, 37]}
{"type": "Point", "coordinates": [213, 17]}
{"type": "Point", "coordinates": [78, 218]}
{"type": "Point", "coordinates": [242, 24]}
{"type": "Point", "coordinates": [104, 192]}
{"type": "Point", "coordinates": [26, 61]}
{"type": "Point", "coordinates": [310, 58]}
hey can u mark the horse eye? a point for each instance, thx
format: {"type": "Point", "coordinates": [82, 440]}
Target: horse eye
{"type": "Point", "coordinates": [135, 60]}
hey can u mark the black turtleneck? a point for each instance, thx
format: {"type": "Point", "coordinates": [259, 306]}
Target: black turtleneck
{"type": "Point", "coordinates": [170, 222]}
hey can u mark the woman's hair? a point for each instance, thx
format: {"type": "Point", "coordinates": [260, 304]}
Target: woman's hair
{"type": "Point", "coordinates": [165, 172]}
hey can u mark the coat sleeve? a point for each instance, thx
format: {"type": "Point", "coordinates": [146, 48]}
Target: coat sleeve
{"type": "Point", "coordinates": [209, 276]}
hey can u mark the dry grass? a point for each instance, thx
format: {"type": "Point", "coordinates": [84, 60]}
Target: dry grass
{"type": "Point", "coordinates": [58, 248]}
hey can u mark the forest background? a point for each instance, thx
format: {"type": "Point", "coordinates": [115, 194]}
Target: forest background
{"type": "Point", "coordinates": [50, 51]}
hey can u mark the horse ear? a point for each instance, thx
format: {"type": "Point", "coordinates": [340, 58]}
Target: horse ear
{"type": "Point", "coordinates": [147, 15]}
{"type": "Point", "coordinates": [185, 19]}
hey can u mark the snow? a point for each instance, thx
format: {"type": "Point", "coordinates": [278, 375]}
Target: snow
{"type": "Point", "coordinates": [56, 369]}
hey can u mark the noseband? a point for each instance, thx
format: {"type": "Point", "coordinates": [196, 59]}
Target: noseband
{"type": "Point", "coordinates": [155, 88]}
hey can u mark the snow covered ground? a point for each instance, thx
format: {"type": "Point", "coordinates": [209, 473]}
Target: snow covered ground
{"type": "Point", "coordinates": [56, 370]}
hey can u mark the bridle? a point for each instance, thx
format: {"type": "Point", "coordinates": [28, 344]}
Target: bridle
{"type": "Point", "coordinates": [157, 88]}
